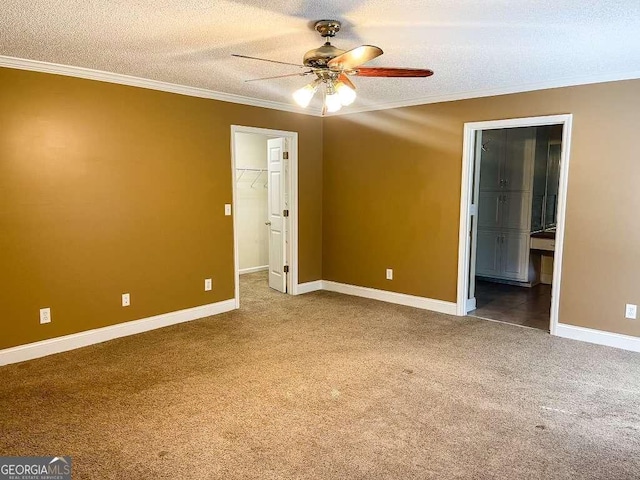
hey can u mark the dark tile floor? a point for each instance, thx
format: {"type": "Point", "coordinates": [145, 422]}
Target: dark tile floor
{"type": "Point", "coordinates": [529, 307]}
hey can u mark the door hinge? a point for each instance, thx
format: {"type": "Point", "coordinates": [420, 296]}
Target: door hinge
{"type": "Point", "coordinates": [285, 155]}
{"type": "Point", "coordinates": [286, 269]}
{"type": "Point", "coordinates": [285, 213]}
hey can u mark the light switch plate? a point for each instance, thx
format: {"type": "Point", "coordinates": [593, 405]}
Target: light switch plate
{"type": "Point", "coordinates": [208, 284]}
{"type": "Point", "coordinates": [227, 209]}
{"type": "Point", "coordinates": [389, 273]}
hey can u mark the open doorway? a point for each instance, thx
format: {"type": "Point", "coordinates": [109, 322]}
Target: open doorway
{"type": "Point", "coordinates": [512, 219]}
{"type": "Point", "coordinates": [264, 163]}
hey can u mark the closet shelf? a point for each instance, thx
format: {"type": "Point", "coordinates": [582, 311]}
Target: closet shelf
{"type": "Point", "coordinates": [244, 170]}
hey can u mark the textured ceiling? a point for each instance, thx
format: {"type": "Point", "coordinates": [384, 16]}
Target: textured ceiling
{"type": "Point", "coordinates": [473, 46]}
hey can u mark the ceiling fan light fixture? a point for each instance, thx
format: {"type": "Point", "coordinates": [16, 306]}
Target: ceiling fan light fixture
{"type": "Point", "coordinates": [304, 95]}
{"type": "Point", "coordinates": [333, 66]}
{"type": "Point", "coordinates": [332, 101]}
{"type": "Point", "coordinates": [347, 94]}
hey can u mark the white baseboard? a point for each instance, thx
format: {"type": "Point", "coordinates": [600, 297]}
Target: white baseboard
{"type": "Point", "coordinates": [242, 271]}
{"type": "Point", "coordinates": [617, 340]}
{"type": "Point", "coordinates": [471, 304]}
{"type": "Point", "coordinates": [391, 297]}
{"type": "Point", "coordinates": [309, 287]}
{"type": "Point", "coordinates": [43, 348]}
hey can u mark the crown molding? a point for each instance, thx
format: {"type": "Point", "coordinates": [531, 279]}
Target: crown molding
{"type": "Point", "coordinates": [492, 92]}
{"type": "Point", "coordinates": [102, 76]}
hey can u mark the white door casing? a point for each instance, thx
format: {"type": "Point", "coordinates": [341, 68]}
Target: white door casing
{"type": "Point", "coordinates": [466, 242]}
{"type": "Point", "coordinates": [276, 204]}
{"type": "Point", "coordinates": [292, 219]}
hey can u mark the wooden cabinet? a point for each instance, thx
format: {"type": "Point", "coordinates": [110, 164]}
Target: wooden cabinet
{"type": "Point", "coordinates": [492, 158]}
{"type": "Point", "coordinates": [503, 255]}
{"type": "Point", "coordinates": [507, 159]}
{"type": "Point", "coordinates": [517, 172]}
{"type": "Point", "coordinates": [504, 210]}
{"type": "Point", "coordinates": [489, 210]}
{"type": "Point", "coordinates": [516, 211]}
{"type": "Point", "coordinates": [488, 253]}
{"type": "Point", "coordinates": [504, 203]}
{"type": "Point", "coordinates": [515, 256]}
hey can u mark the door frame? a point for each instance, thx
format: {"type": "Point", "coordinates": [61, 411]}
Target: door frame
{"type": "Point", "coordinates": [466, 247]}
{"type": "Point", "coordinates": [292, 226]}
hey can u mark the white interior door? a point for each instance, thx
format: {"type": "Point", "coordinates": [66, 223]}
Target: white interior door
{"type": "Point", "coordinates": [276, 206]}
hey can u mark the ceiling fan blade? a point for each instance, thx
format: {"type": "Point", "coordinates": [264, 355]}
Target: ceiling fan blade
{"type": "Point", "coordinates": [344, 79]}
{"type": "Point", "coordinates": [301, 74]}
{"type": "Point", "coordinates": [267, 60]}
{"type": "Point", "coordinates": [353, 58]}
{"type": "Point", "coordinates": [392, 72]}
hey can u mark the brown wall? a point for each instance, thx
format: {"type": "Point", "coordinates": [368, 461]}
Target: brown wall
{"type": "Point", "coordinates": [392, 197]}
{"type": "Point", "coordinates": [106, 189]}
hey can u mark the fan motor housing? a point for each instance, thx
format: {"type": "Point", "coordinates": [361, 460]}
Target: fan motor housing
{"type": "Point", "coordinates": [319, 57]}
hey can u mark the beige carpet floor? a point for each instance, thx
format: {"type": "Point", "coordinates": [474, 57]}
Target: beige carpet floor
{"type": "Point", "coordinates": [327, 386]}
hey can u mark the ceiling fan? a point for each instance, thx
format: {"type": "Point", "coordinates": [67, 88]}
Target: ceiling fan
{"type": "Point", "coordinates": [332, 68]}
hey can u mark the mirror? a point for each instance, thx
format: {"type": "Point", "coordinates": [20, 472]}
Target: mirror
{"type": "Point", "coordinates": [546, 178]}
{"type": "Point", "coordinates": [553, 181]}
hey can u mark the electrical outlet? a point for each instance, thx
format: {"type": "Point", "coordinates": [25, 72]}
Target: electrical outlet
{"type": "Point", "coordinates": [208, 284]}
{"type": "Point", "coordinates": [631, 311]}
{"type": "Point", "coordinates": [45, 315]}
{"type": "Point", "coordinates": [227, 209]}
{"type": "Point", "coordinates": [126, 300]}
{"type": "Point", "coordinates": [389, 273]}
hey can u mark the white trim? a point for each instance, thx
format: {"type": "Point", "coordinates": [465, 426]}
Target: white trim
{"type": "Point", "coordinates": [492, 92]}
{"type": "Point", "coordinates": [626, 342]}
{"type": "Point", "coordinates": [43, 348]}
{"type": "Point", "coordinates": [471, 305]}
{"type": "Point", "coordinates": [292, 232]}
{"type": "Point", "coordinates": [464, 247]}
{"type": "Point", "coordinates": [309, 287]}
{"type": "Point", "coordinates": [242, 271]}
{"type": "Point", "coordinates": [565, 155]}
{"type": "Point", "coordinates": [391, 297]}
{"type": "Point", "coordinates": [121, 79]}
{"type": "Point", "coordinates": [468, 157]}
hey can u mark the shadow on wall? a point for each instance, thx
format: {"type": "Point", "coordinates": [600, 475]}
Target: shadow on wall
{"type": "Point", "coordinates": [411, 127]}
